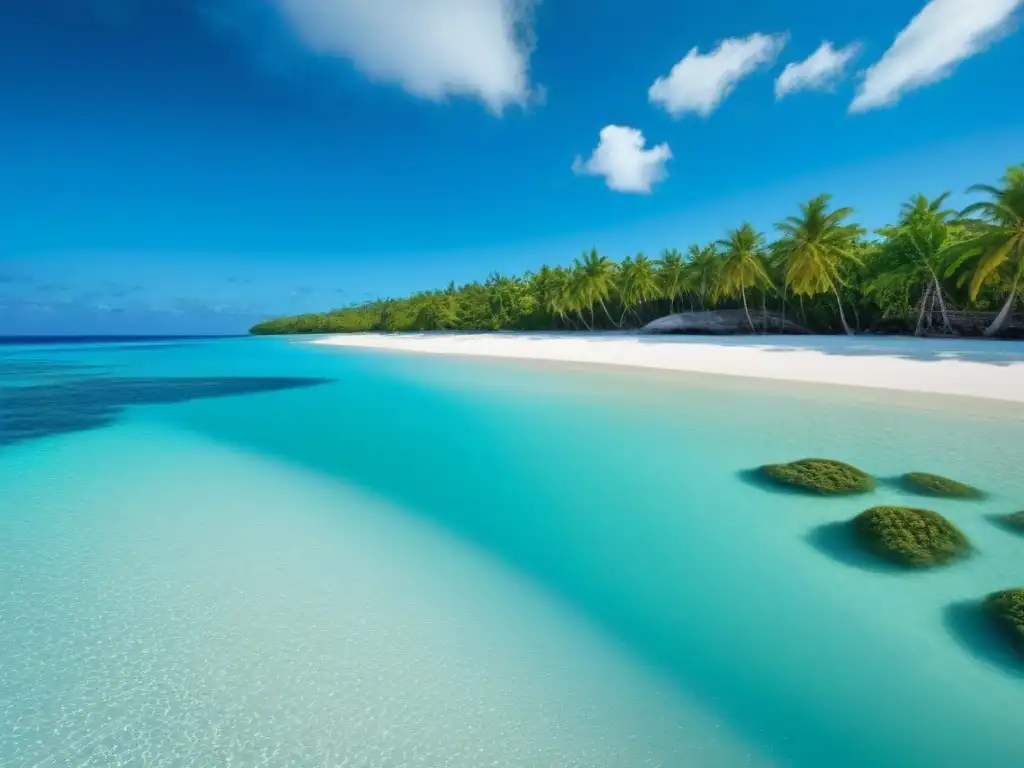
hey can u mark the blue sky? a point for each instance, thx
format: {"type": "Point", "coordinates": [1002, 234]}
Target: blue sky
{"type": "Point", "coordinates": [192, 166]}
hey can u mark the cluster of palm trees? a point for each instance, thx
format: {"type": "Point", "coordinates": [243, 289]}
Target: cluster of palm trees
{"type": "Point", "coordinates": [932, 263]}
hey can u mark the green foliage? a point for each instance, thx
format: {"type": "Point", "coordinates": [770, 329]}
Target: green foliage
{"type": "Point", "coordinates": [814, 248]}
{"type": "Point", "coordinates": [936, 485]}
{"type": "Point", "coordinates": [1007, 611]}
{"type": "Point", "coordinates": [823, 476]}
{"type": "Point", "coordinates": [914, 537]}
{"type": "Point", "coordinates": [995, 245]}
{"type": "Point", "coordinates": [909, 276]}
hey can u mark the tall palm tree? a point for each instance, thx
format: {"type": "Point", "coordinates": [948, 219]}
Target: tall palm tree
{"type": "Point", "coordinates": [558, 298]}
{"type": "Point", "coordinates": [912, 255]}
{"type": "Point", "coordinates": [743, 265]}
{"type": "Point", "coordinates": [595, 276]}
{"type": "Point", "coordinates": [815, 246]}
{"type": "Point", "coordinates": [671, 276]}
{"type": "Point", "coordinates": [637, 283]}
{"type": "Point", "coordinates": [702, 269]}
{"type": "Point", "coordinates": [997, 241]}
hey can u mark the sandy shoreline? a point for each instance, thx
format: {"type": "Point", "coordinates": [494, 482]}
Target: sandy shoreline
{"type": "Point", "coordinates": [991, 370]}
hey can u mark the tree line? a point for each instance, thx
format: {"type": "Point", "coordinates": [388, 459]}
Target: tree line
{"type": "Point", "coordinates": [934, 271]}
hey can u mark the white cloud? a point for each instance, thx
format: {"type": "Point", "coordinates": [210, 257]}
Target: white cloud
{"type": "Point", "coordinates": [929, 48]}
{"type": "Point", "coordinates": [431, 48]}
{"type": "Point", "coordinates": [818, 72]}
{"type": "Point", "coordinates": [700, 82]}
{"type": "Point", "coordinates": [621, 158]}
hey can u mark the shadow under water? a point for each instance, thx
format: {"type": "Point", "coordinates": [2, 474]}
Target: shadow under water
{"type": "Point", "coordinates": [974, 630]}
{"type": "Point", "coordinates": [80, 404]}
{"type": "Point", "coordinates": [24, 368]}
{"type": "Point", "coordinates": [1003, 521]}
{"type": "Point", "coordinates": [836, 541]}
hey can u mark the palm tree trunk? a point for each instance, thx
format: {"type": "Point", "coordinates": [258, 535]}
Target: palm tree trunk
{"type": "Point", "coordinates": [1004, 313]}
{"type": "Point", "coordinates": [743, 292]}
{"type": "Point", "coordinates": [920, 314]}
{"type": "Point", "coordinates": [842, 317]}
{"type": "Point", "coordinates": [942, 305]}
{"type": "Point", "coordinates": [607, 313]}
{"type": "Point", "coordinates": [583, 319]}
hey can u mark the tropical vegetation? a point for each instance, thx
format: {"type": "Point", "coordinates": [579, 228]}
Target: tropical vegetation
{"type": "Point", "coordinates": [1007, 610]}
{"type": "Point", "coordinates": [934, 271]}
{"type": "Point", "coordinates": [928, 484]}
{"type": "Point", "coordinates": [823, 476]}
{"type": "Point", "coordinates": [908, 536]}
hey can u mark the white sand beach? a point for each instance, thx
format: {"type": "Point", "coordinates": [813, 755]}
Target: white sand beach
{"type": "Point", "coordinates": [992, 370]}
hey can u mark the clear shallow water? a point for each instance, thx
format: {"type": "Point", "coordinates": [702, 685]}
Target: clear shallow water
{"type": "Point", "coordinates": [362, 559]}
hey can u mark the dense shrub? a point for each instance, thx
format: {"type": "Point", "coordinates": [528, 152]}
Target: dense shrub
{"type": "Point", "coordinates": [916, 537]}
{"type": "Point", "coordinates": [1007, 610]}
{"type": "Point", "coordinates": [823, 476]}
{"type": "Point", "coordinates": [936, 485]}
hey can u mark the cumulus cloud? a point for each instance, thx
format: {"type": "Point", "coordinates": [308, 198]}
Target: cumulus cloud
{"type": "Point", "coordinates": [431, 48]}
{"type": "Point", "coordinates": [930, 47]}
{"type": "Point", "coordinates": [700, 82]}
{"type": "Point", "coordinates": [818, 72]}
{"type": "Point", "coordinates": [621, 159]}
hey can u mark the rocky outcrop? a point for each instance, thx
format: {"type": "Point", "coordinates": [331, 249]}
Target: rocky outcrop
{"type": "Point", "coordinates": [725, 321]}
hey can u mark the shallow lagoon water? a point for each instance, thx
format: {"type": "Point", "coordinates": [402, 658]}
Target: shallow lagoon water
{"type": "Point", "coordinates": [369, 559]}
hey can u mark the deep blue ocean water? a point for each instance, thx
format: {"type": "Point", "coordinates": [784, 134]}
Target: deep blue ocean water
{"type": "Point", "coordinates": [260, 552]}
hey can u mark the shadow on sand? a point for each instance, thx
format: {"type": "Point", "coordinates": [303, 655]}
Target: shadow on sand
{"type": "Point", "coordinates": [975, 631]}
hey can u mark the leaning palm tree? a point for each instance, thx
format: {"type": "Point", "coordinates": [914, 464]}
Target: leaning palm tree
{"type": "Point", "coordinates": [596, 276]}
{"type": "Point", "coordinates": [997, 241]}
{"type": "Point", "coordinates": [578, 295]}
{"type": "Point", "coordinates": [671, 276]}
{"type": "Point", "coordinates": [743, 265]}
{"type": "Point", "coordinates": [702, 267]}
{"type": "Point", "coordinates": [814, 247]}
{"type": "Point", "coordinates": [558, 296]}
{"type": "Point", "coordinates": [637, 283]}
{"type": "Point", "coordinates": [911, 257]}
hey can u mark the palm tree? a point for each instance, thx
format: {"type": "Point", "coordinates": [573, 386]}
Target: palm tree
{"type": "Point", "coordinates": [578, 295]}
{"type": "Point", "coordinates": [638, 283]}
{"type": "Point", "coordinates": [594, 278]}
{"type": "Point", "coordinates": [702, 273]}
{"type": "Point", "coordinates": [997, 241]}
{"type": "Point", "coordinates": [557, 293]}
{"type": "Point", "coordinates": [912, 255]}
{"type": "Point", "coordinates": [743, 265]}
{"type": "Point", "coordinates": [815, 246]}
{"type": "Point", "coordinates": [671, 276]}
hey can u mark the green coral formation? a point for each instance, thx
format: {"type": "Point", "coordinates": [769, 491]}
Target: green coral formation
{"type": "Point", "coordinates": [1007, 610]}
{"type": "Point", "coordinates": [915, 537]}
{"type": "Point", "coordinates": [937, 485]}
{"type": "Point", "coordinates": [823, 476]}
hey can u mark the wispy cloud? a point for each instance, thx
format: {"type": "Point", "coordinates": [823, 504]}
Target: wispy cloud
{"type": "Point", "coordinates": [699, 83]}
{"type": "Point", "coordinates": [818, 72]}
{"type": "Point", "coordinates": [620, 157]}
{"type": "Point", "coordinates": [431, 48]}
{"type": "Point", "coordinates": [929, 48]}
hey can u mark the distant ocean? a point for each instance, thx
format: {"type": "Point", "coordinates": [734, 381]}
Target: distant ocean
{"type": "Point", "coordinates": [254, 551]}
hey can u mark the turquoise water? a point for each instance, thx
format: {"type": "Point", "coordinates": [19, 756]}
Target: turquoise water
{"type": "Point", "coordinates": [257, 552]}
